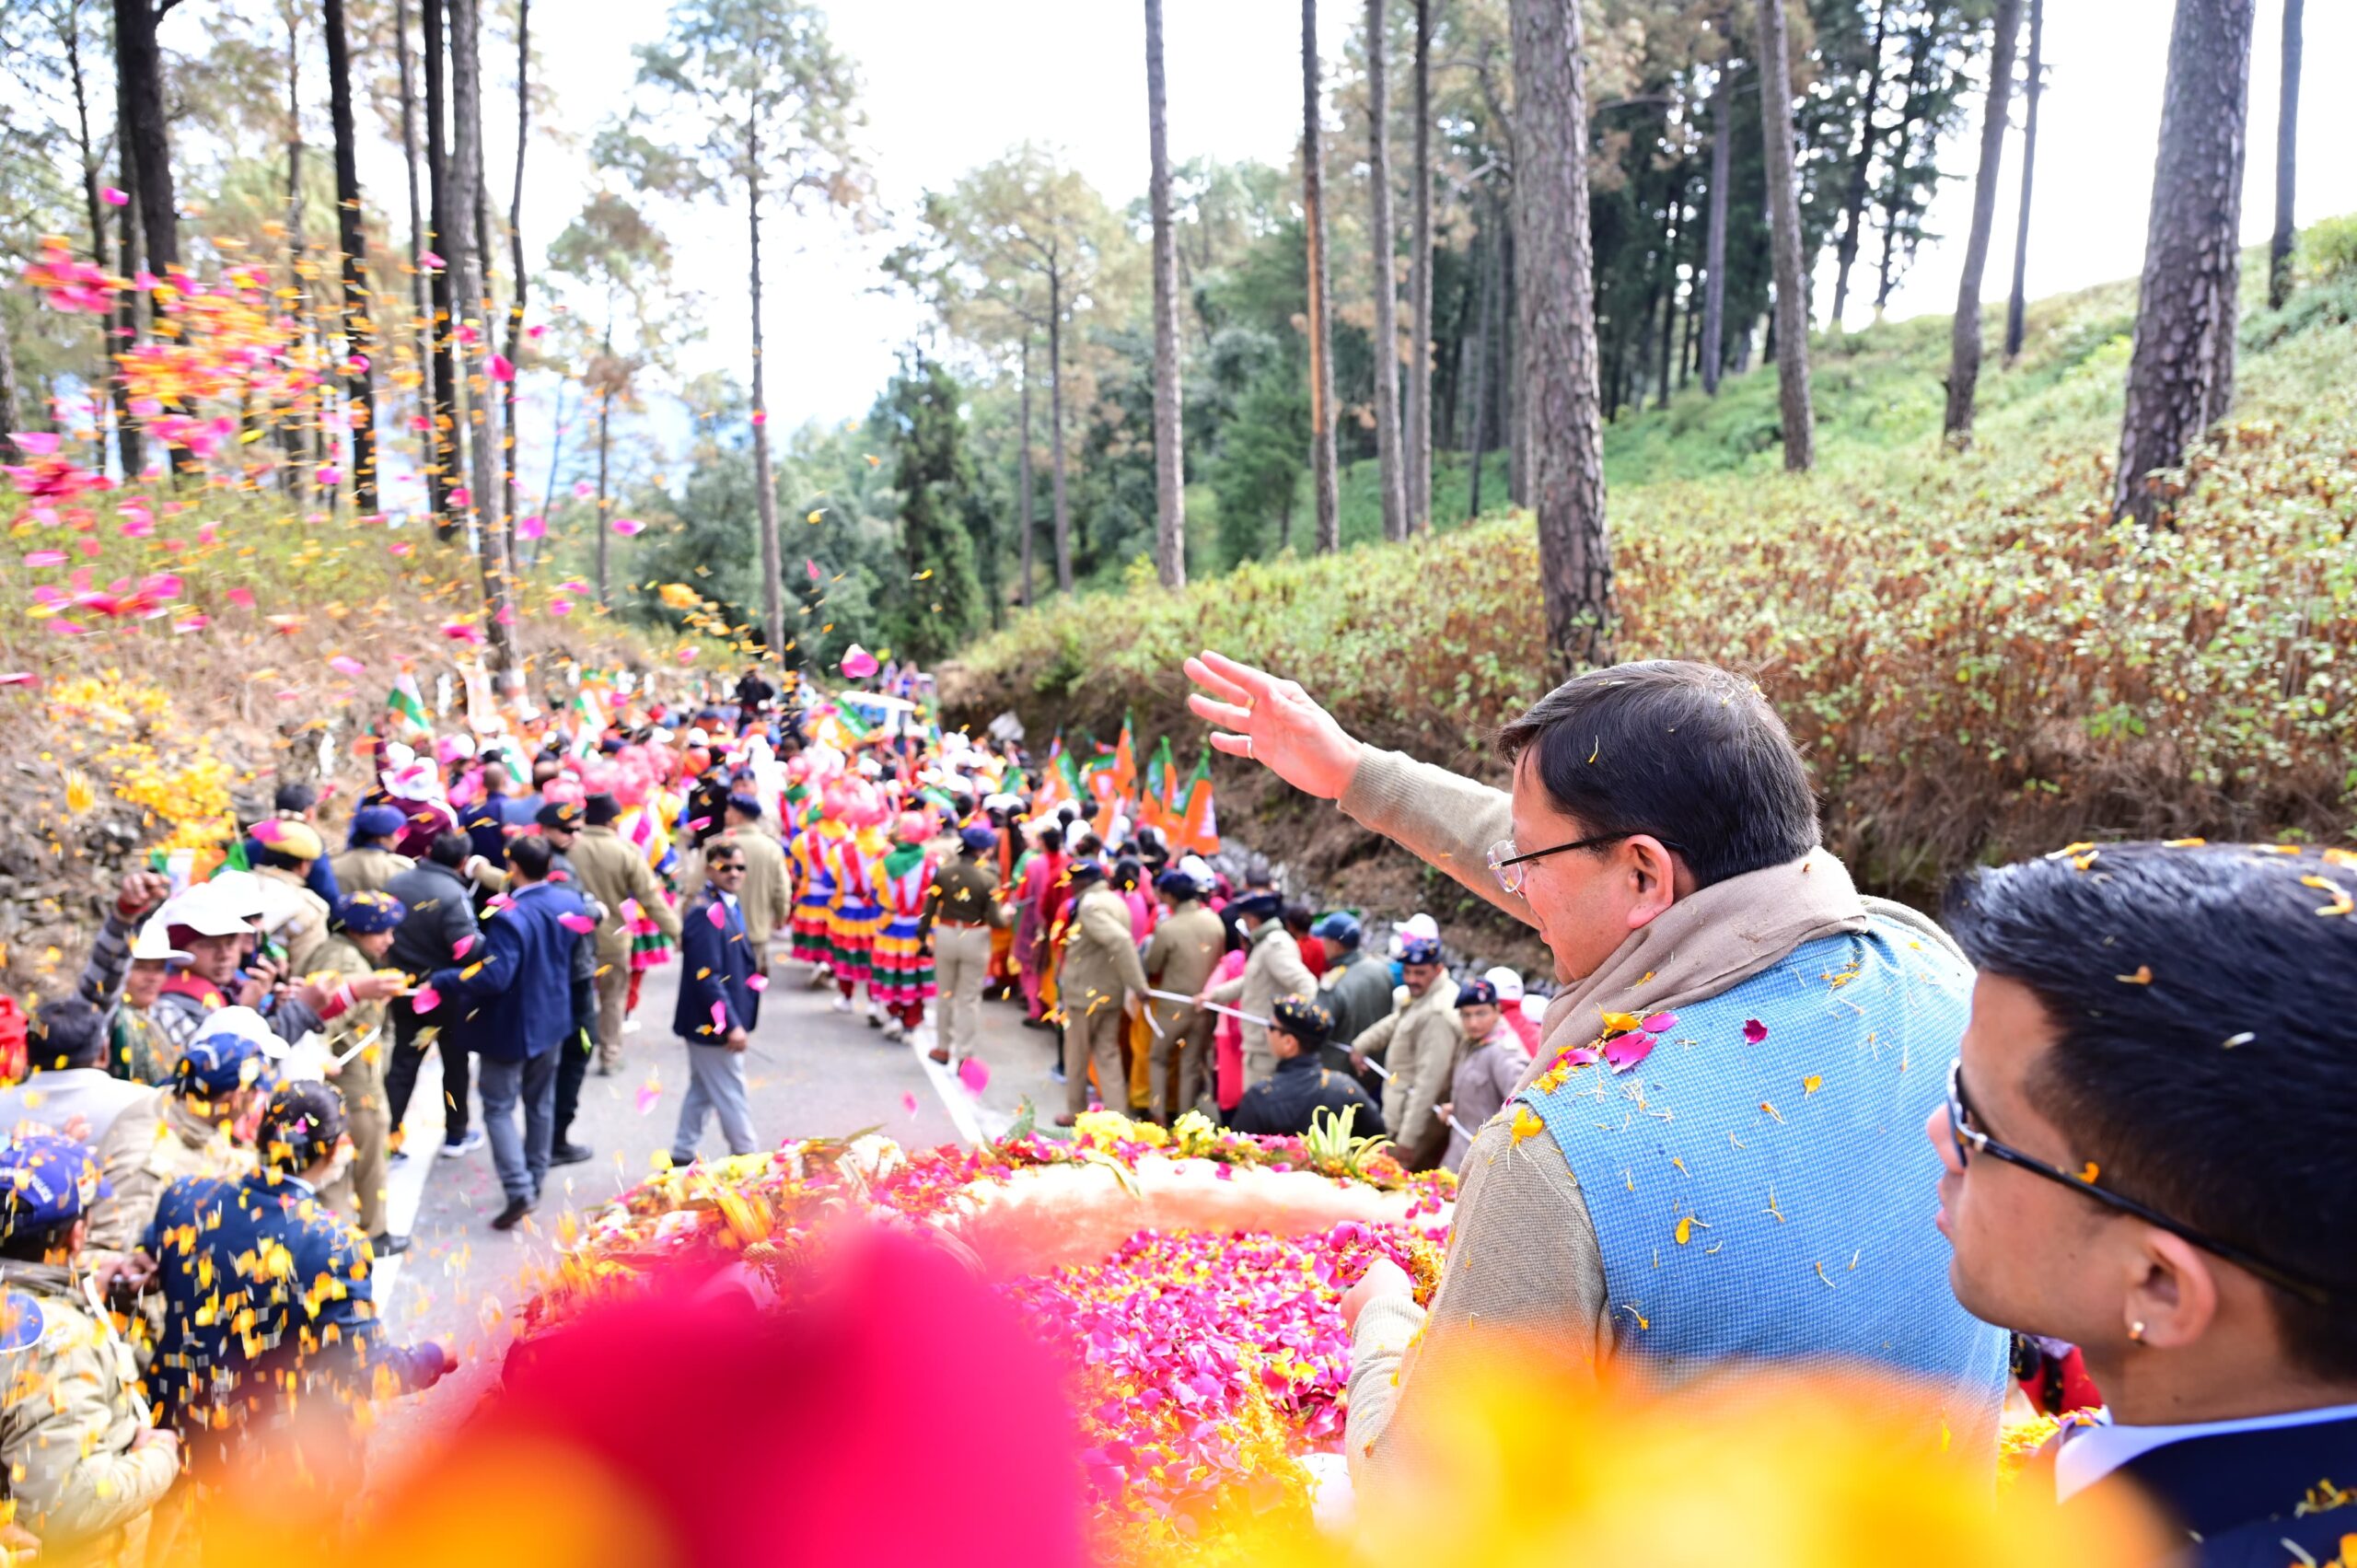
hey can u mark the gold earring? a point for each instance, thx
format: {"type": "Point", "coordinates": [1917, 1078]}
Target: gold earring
{"type": "Point", "coordinates": [2136, 1330]}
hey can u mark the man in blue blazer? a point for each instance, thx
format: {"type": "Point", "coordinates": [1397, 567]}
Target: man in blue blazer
{"type": "Point", "coordinates": [719, 1002]}
{"type": "Point", "coordinates": [510, 1002]}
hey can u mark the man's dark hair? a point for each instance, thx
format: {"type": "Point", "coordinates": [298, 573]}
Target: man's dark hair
{"type": "Point", "coordinates": [1295, 918]}
{"type": "Point", "coordinates": [1051, 839]}
{"type": "Point", "coordinates": [531, 854]}
{"type": "Point", "coordinates": [723, 847]}
{"type": "Point", "coordinates": [31, 1243]}
{"type": "Point", "coordinates": [2204, 1000]}
{"type": "Point", "coordinates": [1687, 752]}
{"type": "Point", "coordinates": [1088, 843]}
{"type": "Point", "coordinates": [68, 1032]}
{"type": "Point", "coordinates": [451, 849]}
{"type": "Point", "coordinates": [267, 854]}
{"type": "Point", "coordinates": [298, 796]}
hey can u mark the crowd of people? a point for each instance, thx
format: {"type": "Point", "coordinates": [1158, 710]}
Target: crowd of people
{"type": "Point", "coordinates": [1686, 1149]}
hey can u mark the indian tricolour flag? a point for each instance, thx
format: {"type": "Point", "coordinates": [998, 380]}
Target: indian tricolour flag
{"type": "Point", "coordinates": [406, 703]}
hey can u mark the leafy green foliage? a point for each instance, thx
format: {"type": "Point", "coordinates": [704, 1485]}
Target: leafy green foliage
{"type": "Point", "coordinates": [1975, 660]}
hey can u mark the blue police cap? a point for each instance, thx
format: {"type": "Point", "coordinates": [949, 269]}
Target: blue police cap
{"type": "Point", "coordinates": [378, 822]}
{"type": "Point", "coordinates": [219, 1061]}
{"type": "Point", "coordinates": [1342, 925]}
{"type": "Point", "coordinates": [1420, 950]}
{"type": "Point", "coordinates": [45, 1179]}
{"type": "Point", "coordinates": [979, 839]}
{"type": "Point", "coordinates": [368, 911]}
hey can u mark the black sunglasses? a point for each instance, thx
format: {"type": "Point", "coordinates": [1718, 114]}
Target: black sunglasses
{"type": "Point", "coordinates": [1971, 1141]}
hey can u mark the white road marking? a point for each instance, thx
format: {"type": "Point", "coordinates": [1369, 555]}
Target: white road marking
{"type": "Point", "coordinates": [405, 1183]}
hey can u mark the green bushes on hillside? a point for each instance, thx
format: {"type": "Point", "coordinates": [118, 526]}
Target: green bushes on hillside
{"type": "Point", "coordinates": [1975, 660]}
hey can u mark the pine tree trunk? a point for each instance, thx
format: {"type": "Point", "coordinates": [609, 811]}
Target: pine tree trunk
{"type": "Point", "coordinates": [1861, 157]}
{"type": "Point", "coordinates": [1383, 251]}
{"type": "Point", "coordinates": [468, 246]}
{"type": "Point", "coordinates": [1492, 304]}
{"type": "Point", "coordinates": [1023, 500]}
{"type": "Point", "coordinates": [1322, 461]}
{"type": "Point", "coordinates": [421, 307]}
{"type": "Point", "coordinates": [2018, 302]}
{"type": "Point", "coordinates": [1423, 340]}
{"type": "Point", "coordinates": [1555, 290]}
{"type": "Point", "coordinates": [1714, 235]}
{"type": "Point", "coordinates": [515, 260]}
{"type": "Point", "coordinates": [70, 34]}
{"type": "Point", "coordinates": [1057, 497]}
{"type": "Point", "coordinates": [1169, 455]}
{"type": "Point", "coordinates": [1784, 236]}
{"type": "Point", "coordinates": [2180, 372]}
{"type": "Point", "coordinates": [359, 328]}
{"type": "Point", "coordinates": [130, 437]}
{"type": "Point", "coordinates": [764, 478]}
{"type": "Point", "coordinates": [1964, 331]}
{"type": "Point", "coordinates": [2287, 147]}
{"type": "Point", "coordinates": [139, 63]}
{"type": "Point", "coordinates": [446, 447]}
{"type": "Point", "coordinates": [1672, 232]}
{"type": "Point", "coordinates": [600, 521]}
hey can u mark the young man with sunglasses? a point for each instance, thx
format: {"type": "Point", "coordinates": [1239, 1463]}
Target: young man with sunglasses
{"type": "Point", "coordinates": [2150, 1151]}
{"type": "Point", "coordinates": [1706, 1165]}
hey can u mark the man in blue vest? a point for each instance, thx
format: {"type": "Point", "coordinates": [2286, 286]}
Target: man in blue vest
{"type": "Point", "coordinates": [719, 1006]}
{"type": "Point", "coordinates": [511, 1005]}
{"type": "Point", "coordinates": [267, 1294]}
{"type": "Point", "coordinates": [1710, 1163]}
{"type": "Point", "coordinates": [2150, 1148]}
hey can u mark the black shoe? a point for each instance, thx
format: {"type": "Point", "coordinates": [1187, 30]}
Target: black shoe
{"type": "Point", "coordinates": [513, 1215]}
{"type": "Point", "coordinates": [569, 1154]}
{"type": "Point", "coordinates": [604, 1071]}
{"type": "Point", "coordinates": [388, 1245]}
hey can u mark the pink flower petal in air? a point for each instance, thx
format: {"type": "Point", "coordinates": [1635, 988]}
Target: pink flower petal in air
{"type": "Point", "coordinates": [344, 664]}
{"type": "Point", "coordinates": [1624, 1051]}
{"type": "Point", "coordinates": [19, 677]}
{"type": "Point", "coordinates": [975, 1074]}
{"type": "Point", "coordinates": [1659, 1023]}
{"type": "Point", "coordinates": [720, 1017]}
{"type": "Point", "coordinates": [1754, 1031]}
{"type": "Point", "coordinates": [242, 597]}
{"type": "Point", "coordinates": [757, 981]}
{"type": "Point", "coordinates": [464, 945]}
{"type": "Point", "coordinates": [628, 525]}
{"type": "Point", "coordinates": [46, 558]}
{"type": "Point", "coordinates": [35, 443]}
{"type": "Point", "coordinates": [461, 496]}
{"type": "Point", "coordinates": [425, 1000]}
{"type": "Point", "coordinates": [531, 527]}
{"type": "Point", "coordinates": [858, 663]}
{"type": "Point", "coordinates": [813, 567]}
{"type": "Point", "coordinates": [581, 924]}
{"type": "Point", "coordinates": [909, 1104]}
{"type": "Point", "coordinates": [583, 490]}
{"type": "Point", "coordinates": [648, 1093]}
{"type": "Point", "coordinates": [500, 367]}
{"type": "Point", "coordinates": [714, 912]}
{"type": "Point", "coordinates": [113, 197]}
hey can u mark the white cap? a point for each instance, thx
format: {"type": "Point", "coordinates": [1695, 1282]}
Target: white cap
{"type": "Point", "coordinates": [1508, 983]}
{"type": "Point", "coordinates": [245, 1023]}
{"type": "Point", "coordinates": [242, 892]}
{"type": "Point", "coordinates": [206, 910]}
{"type": "Point", "coordinates": [154, 944]}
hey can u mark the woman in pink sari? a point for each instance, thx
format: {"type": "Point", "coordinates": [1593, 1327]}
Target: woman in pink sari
{"type": "Point", "coordinates": [1042, 881]}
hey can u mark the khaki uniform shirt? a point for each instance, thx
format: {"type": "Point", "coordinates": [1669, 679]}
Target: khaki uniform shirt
{"type": "Point", "coordinates": [69, 1410]}
{"type": "Point", "coordinates": [1274, 969]}
{"type": "Point", "coordinates": [1417, 1045]}
{"type": "Point", "coordinates": [367, 868]}
{"type": "Point", "coordinates": [308, 930]}
{"type": "Point", "coordinates": [611, 871]}
{"type": "Point", "coordinates": [152, 1144]}
{"type": "Point", "coordinates": [1185, 948]}
{"type": "Point", "coordinates": [965, 893]}
{"type": "Point", "coordinates": [1100, 959]}
{"type": "Point", "coordinates": [362, 1077]}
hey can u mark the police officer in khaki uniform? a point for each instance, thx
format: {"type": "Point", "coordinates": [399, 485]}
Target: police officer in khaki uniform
{"type": "Point", "coordinates": [359, 1043]}
{"type": "Point", "coordinates": [1179, 958]}
{"type": "Point", "coordinates": [1101, 978]}
{"type": "Point", "coordinates": [84, 1465]}
{"type": "Point", "coordinates": [614, 873]}
{"type": "Point", "coordinates": [965, 912]}
{"type": "Point", "coordinates": [370, 863]}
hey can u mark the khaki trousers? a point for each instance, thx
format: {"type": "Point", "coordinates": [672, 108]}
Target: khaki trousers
{"type": "Point", "coordinates": [1095, 1034]}
{"type": "Point", "coordinates": [1260, 1061]}
{"type": "Point", "coordinates": [362, 1187]}
{"type": "Point", "coordinates": [613, 991]}
{"type": "Point", "coordinates": [961, 961]}
{"type": "Point", "coordinates": [1186, 1031]}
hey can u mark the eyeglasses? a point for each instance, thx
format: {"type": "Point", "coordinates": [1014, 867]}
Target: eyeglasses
{"type": "Point", "coordinates": [1505, 860]}
{"type": "Point", "coordinates": [1971, 1141]}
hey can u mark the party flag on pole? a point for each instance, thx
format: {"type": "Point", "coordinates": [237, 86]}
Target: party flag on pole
{"type": "Point", "coordinates": [1155, 809]}
{"type": "Point", "coordinates": [1197, 827]}
{"type": "Point", "coordinates": [407, 704]}
{"type": "Point", "coordinates": [1125, 763]}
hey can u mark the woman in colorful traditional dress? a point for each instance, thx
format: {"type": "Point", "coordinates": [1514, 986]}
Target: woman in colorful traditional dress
{"type": "Point", "coordinates": [901, 977]}
{"type": "Point", "coordinates": [815, 891]}
{"type": "Point", "coordinates": [853, 858]}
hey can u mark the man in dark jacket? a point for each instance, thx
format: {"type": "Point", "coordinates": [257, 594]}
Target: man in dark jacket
{"type": "Point", "coordinates": [438, 929]}
{"type": "Point", "coordinates": [1285, 1103]}
{"type": "Point", "coordinates": [719, 1006]}
{"type": "Point", "coordinates": [511, 1005]}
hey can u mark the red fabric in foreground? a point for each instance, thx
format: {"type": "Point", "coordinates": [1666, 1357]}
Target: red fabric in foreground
{"type": "Point", "coordinates": [903, 1417]}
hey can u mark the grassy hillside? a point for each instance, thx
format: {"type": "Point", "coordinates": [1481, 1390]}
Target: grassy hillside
{"type": "Point", "coordinates": [1978, 662]}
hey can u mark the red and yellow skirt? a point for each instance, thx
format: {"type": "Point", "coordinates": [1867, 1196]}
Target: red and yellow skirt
{"type": "Point", "coordinates": [900, 965]}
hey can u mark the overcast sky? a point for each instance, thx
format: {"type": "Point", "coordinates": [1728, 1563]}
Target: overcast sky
{"type": "Point", "coordinates": [951, 83]}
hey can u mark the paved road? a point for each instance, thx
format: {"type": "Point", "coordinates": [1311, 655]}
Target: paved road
{"type": "Point", "coordinates": [812, 1071]}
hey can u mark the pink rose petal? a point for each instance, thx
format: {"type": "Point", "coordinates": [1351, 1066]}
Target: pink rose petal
{"type": "Point", "coordinates": [648, 1093]}
{"type": "Point", "coordinates": [1624, 1051]}
{"type": "Point", "coordinates": [720, 1017]}
{"type": "Point", "coordinates": [717, 915]}
{"type": "Point", "coordinates": [1754, 1031]}
{"type": "Point", "coordinates": [464, 945]}
{"type": "Point", "coordinates": [344, 664]}
{"type": "Point", "coordinates": [909, 1104]}
{"type": "Point", "coordinates": [1659, 1023]}
{"type": "Point", "coordinates": [425, 999]}
{"type": "Point", "coordinates": [757, 981]}
{"type": "Point", "coordinates": [975, 1074]}
{"type": "Point", "coordinates": [581, 924]}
